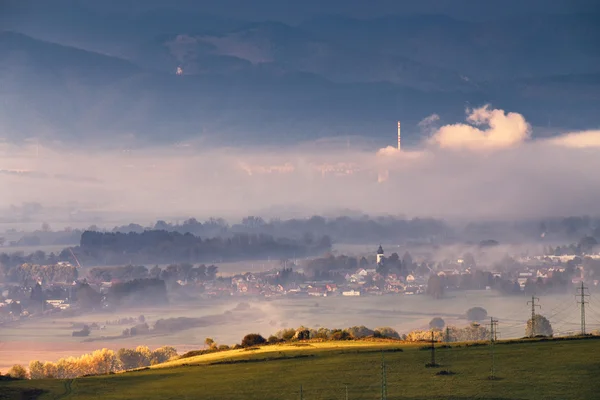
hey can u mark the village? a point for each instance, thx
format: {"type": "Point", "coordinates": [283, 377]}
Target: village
{"type": "Point", "coordinates": [529, 275]}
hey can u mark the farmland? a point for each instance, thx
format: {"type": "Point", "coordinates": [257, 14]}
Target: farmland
{"type": "Point", "coordinates": [531, 370]}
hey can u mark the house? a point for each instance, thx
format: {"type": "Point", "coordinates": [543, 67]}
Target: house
{"type": "Point", "coordinates": [57, 303]}
{"type": "Point", "coordinates": [351, 293]}
{"type": "Point", "coordinates": [318, 291]}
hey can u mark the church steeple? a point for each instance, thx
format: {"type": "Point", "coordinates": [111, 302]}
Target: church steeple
{"type": "Point", "coordinates": [379, 255]}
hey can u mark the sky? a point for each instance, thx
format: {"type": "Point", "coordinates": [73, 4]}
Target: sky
{"type": "Point", "coordinates": [295, 11]}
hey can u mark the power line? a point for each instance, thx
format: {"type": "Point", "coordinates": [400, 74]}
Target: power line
{"type": "Point", "coordinates": [383, 379]}
{"type": "Point", "coordinates": [433, 364]}
{"type": "Point", "coordinates": [493, 338]}
{"type": "Point", "coordinates": [582, 302]}
{"type": "Point", "coordinates": [533, 306]}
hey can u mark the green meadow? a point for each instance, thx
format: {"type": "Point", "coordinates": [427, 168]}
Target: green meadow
{"type": "Point", "coordinates": [554, 369]}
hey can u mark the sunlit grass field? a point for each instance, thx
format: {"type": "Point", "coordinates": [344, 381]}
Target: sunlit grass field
{"type": "Point", "coordinates": [531, 370]}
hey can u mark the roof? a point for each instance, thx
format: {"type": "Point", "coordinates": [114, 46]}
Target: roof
{"type": "Point", "coordinates": [380, 250]}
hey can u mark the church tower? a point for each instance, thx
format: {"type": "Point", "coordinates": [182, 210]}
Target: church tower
{"type": "Point", "coordinates": [379, 255]}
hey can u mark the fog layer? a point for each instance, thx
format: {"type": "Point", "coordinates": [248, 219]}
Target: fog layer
{"type": "Point", "coordinates": [485, 167]}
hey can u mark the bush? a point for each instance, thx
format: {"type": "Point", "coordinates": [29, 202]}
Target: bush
{"type": "Point", "coordinates": [302, 334]}
{"type": "Point", "coordinates": [85, 331]}
{"type": "Point", "coordinates": [253, 339]}
{"type": "Point", "coordinates": [388, 332]}
{"type": "Point", "coordinates": [273, 339]}
{"type": "Point", "coordinates": [286, 334]}
{"type": "Point", "coordinates": [17, 372]}
{"type": "Point", "coordinates": [476, 314]}
{"type": "Point", "coordinates": [360, 331]}
{"type": "Point", "coordinates": [140, 329]}
{"type": "Point", "coordinates": [223, 347]}
{"type": "Point", "coordinates": [542, 327]}
{"type": "Point", "coordinates": [339, 334]}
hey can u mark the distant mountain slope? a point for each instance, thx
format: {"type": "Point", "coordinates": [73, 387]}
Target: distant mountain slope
{"type": "Point", "coordinates": [272, 82]}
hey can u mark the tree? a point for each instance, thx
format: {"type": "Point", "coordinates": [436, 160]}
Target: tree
{"type": "Point", "coordinates": [163, 354]}
{"type": "Point", "coordinates": [17, 372]}
{"type": "Point", "coordinates": [437, 323]}
{"type": "Point", "coordinates": [209, 342]}
{"type": "Point", "coordinates": [36, 370]}
{"type": "Point", "coordinates": [435, 287]}
{"type": "Point", "coordinates": [586, 245]}
{"type": "Point", "coordinates": [386, 331]}
{"type": "Point", "coordinates": [360, 331]}
{"type": "Point", "coordinates": [253, 339]}
{"type": "Point", "coordinates": [541, 325]}
{"type": "Point", "coordinates": [476, 314]}
{"type": "Point", "coordinates": [302, 333]}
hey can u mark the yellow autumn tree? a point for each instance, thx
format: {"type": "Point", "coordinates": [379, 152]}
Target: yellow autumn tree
{"type": "Point", "coordinates": [36, 370]}
{"type": "Point", "coordinates": [50, 370]}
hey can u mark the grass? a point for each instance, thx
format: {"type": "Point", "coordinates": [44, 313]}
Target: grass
{"type": "Point", "coordinates": [527, 370]}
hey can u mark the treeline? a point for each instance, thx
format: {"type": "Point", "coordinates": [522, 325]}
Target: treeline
{"type": "Point", "coordinates": [10, 263]}
{"type": "Point", "coordinates": [100, 362]}
{"type": "Point", "coordinates": [343, 229]}
{"type": "Point", "coordinates": [159, 246]}
{"type": "Point", "coordinates": [472, 332]}
{"type": "Point", "coordinates": [347, 229]}
{"type": "Point", "coordinates": [559, 282]}
{"type": "Point", "coordinates": [586, 245]}
{"type": "Point", "coordinates": [334, 267]}
{"type": "Point", "coordinates": [174, 272]}
{"type": "Point", "coordinates": [53, 273]}
{"type": "Point", "coordinates": [138, 292]}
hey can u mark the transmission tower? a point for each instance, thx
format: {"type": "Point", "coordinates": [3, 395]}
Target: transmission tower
{"type": "Point", "coordinates": [493, 338]}
{"type": "Point", "coordinates": [383, 379]}
{"type": "Point", "coordinates": [581, 295]}
{"type": "Point", "coordinates": [433, 364]}
{"type": "Point", "coordinates": [533, 306]}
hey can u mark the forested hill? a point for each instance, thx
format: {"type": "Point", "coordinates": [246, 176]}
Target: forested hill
{"type": "Point", "coordinates": [161, 247]}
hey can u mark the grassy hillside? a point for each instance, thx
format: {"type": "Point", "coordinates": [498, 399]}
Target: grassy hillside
{"type": "Point", "coordinates": [531, 370]}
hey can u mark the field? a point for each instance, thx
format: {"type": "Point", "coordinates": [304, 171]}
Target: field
{"type": "Point", "coordinates": [49, 339]}
{"type": "Point", "coordinates": [532, 370]}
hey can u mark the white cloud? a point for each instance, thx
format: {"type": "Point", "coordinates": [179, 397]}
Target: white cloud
{"type": "Point", "coordinates": [426, 122]}
{"type": "Point", "coordinates": [502, 130]}
{"type": "Point", "coordinates": [585, 139]}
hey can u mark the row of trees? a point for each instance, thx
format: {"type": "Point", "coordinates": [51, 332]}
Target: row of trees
{"type": "Point", "coordinates": [138, 292]}
{"type": "Point", "coordinates": [99, 362]}
{"type": "Point", "coordinates": [53, 273]}
{"type": "Point", "coordinates": [346, 229]}
{"type": "Point", "coordinates": [173, 272]}
{"type": "Point", "coordinates": [168, 247]}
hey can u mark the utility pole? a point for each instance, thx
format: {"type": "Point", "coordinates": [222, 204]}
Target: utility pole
{"type": "Point", "coordinates": [533, 306]}
{"type": "Point", "coordinates": [383, 379]}
{"type": "Point", "coordinates": [493, 330]}
{"type": "Point", "coordinates": [432, 350]}
{"type": "Point", "coordinates": [301, 394]}
{"type": "Point", "coordinates": [346, 391]}
{"type": "Point", "coordinates": [447, 334]}
{"type": "Point", "coordinates": [582, 301]}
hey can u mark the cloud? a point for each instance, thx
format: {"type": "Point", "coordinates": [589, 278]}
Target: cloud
{"type": "Point", "coordinates": [502, 130]}
{"type": "Point", "coordinates": [426, 122]}
{"type": "Point", "coordinates": [529, 178]}
{"type": "Point", "coordinates": [585, 139]}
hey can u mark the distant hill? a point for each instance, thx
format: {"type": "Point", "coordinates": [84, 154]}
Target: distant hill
{"type": "Point", "coordinates": [113, 76]}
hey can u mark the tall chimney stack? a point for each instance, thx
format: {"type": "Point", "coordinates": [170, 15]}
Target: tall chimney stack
{"type": "Point", "coordinates": [399, 145]}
